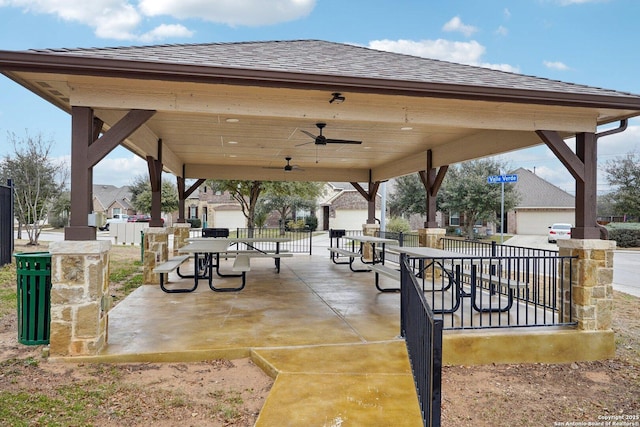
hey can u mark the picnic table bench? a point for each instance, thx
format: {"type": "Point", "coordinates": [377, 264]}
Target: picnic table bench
{"type": "Point", "coordinates": [463, 270]}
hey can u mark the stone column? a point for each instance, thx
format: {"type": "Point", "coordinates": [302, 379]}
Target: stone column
{"type": "Point", "coordinates": [369, 230]}
{"type": "Point", "coordinates": [430, 237]}
{"type": "Point", "coordinates": [591, 282]}
{"type": "Point", "coordinates": [80, 299]}
{"type": "Point", "coordinates": [180, 236]}
{"type": "Point", "coordinates": [156, 251]}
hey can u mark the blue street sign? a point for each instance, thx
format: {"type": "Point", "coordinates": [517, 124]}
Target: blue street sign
{"type": "Point", "coordinates": [499, 179]}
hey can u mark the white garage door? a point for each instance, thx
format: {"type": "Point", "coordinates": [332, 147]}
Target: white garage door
{"type": "Point", "coordinates": [538, 222]}
{"type": "Point", "coordinates": [230, 219]}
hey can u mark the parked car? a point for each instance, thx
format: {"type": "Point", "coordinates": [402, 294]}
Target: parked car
{"type": "Point", "coordinates": [559, 232]}
{"type": "Point", "coordinates": [116, 218]}
{"type": "Point", "coordinates": [139, 218]}
{"type": "Point", "coordinates": [142, 218]}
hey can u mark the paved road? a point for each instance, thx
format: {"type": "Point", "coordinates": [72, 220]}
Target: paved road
{"type": "Point", "coordinates": [626, 263]}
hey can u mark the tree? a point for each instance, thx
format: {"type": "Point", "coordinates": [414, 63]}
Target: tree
{"type": "Point", "coordinates": [408, 197]}
{"type": "Point", "coordinates": [38, 181]}
{"type": "Point", "coordinates": [246, 193]}
{"type": "Point", "coordinates": [60, 211]}
{"type": "Point", "coordinates": [624, 174]}
{"type": "Point", "coordinates": [465, 191]}
{"type": "Point", "coordinates": [282, 196]}
{"type": "Point", "coordinates": [141, 195]}
{"type": "Point", "coordinates": [286, 196]}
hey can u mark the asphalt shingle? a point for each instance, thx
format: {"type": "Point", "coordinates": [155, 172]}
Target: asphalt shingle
{"type": "Point", "coordinates": [329, 58]}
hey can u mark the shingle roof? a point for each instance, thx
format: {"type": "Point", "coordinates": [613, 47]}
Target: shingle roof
{"type": "Point", "coordinates": [333, 59]}
{"type": "Point", "coordinates": [107, 194]}
{"type": "Point", "coordinates": [535, 192]}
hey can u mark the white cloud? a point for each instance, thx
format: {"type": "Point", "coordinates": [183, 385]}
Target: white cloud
{"type": "Point", "coordinates": [502, 31]}
{"type": "Point", "coordinates": [469, 53]}
{"type": "Point", "coordinates": [570, 2]}
{"type": "Point", "coordinates": [119, 171]}
{"type": "Point", "coordinates": [507, 13]}
{"type": "Point", "coordinates": [556, 65]}
{"type": "Point", "coordinates": [166, 31]}
{"type": "Point", "coordinates": [121, 19]}
{"type": "Point", "coordinates": [455, 24]}
{"type": "Point", "coordinates": [231, 12]}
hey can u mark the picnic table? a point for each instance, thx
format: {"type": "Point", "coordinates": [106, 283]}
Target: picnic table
{"type": "Point", "coordinates": [207, 253]}
{"type": "Point", "coordinates": [337, 252]}
{"type": "Point", "coordinates": [461, 269]}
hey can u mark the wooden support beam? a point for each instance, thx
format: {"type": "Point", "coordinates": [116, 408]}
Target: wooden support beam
{"type": "Point", "coordinates": [432, 180]}
{"type": "Point", "coordinates": [155, 177]}
{"type": "Point", "coordinates": [583, 166]}
{"type": "Point", "coordinates": [370, 197]}
{"type": "Point", "coordinates": [118, 133]}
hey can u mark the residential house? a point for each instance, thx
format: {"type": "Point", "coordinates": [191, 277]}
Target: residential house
{"type": "Point", "coordinates": [343, 207]}
{"type": "Point", "coordinates": [109, 200]}
{"type": "Point", "coordinates": [541, 204]}
{"type": "Point", "coordinates": [216, 209]}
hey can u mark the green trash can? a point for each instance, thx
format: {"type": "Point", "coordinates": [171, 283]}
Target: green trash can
{"type": "Point", "coordinates": [34, 297]}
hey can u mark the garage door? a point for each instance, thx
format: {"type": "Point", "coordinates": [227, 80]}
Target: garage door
{"type": "Point", "coordinates": [538, 222]}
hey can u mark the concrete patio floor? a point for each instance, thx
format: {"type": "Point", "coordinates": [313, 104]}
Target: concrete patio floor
{"type": "Point", "coordinates": [326, 335]}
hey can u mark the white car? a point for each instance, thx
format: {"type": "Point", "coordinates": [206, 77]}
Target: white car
{"type": "Point", "coordinates": [559, 232]}
{"type": "Point", "coordinates": [116, 218]}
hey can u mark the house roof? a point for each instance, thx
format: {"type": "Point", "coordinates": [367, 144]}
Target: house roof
{"type": "Point", "coordinates": [536, 192]}
{"type": "Point", "coordinates": [315, 57]}
{"type": "Point", "coordinates": [236, 110]}
{"type": "Point", "coordinates": [106, 195]}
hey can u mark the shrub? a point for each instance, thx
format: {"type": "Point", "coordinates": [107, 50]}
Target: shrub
{"type": "Point", "coordinates": [398, 225]}
{"type": "Point", "coordinates": [311, 222]}
{"type": "Point", "coordinates": [295, 225]}
{"type": "Point", "coordinates": [195, 222]}
{"type": "Point", "coordinates": [625, 237]}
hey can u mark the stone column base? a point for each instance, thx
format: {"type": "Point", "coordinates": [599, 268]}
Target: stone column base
{"type": "Point", "coordinates": [430, 237]}
{"type": "Point", "coordinates": [591, 282]}
{"type": "Point", "coordinates": [156, 251]}
{"type": "Point", "coordinates": [80, 298]}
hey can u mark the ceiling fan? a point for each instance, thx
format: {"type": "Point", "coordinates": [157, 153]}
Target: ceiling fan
{"type": "Point", "coordinates": [323, 140]}
{"type": "Point", "coordinates": [288, 167]}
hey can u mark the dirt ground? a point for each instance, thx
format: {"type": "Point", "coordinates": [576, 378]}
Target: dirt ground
{"type": "Point", "coordinates": [231, 393]}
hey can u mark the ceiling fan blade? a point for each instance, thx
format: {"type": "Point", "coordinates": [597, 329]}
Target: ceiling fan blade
{"type": "Point", "coordinates": [305, 143]}
{"type": "Point", "coordinates": [341, 141]}
{"type": "Point", "coordinates": [308, 133]}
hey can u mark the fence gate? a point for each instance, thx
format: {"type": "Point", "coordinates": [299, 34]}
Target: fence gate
{"type": "Point", "coordinates": [6, 224]}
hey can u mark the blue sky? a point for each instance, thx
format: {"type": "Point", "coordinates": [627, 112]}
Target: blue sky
{"type": "Point", "coordinates": [592, 42]}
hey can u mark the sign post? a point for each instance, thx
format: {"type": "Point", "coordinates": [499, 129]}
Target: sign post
{"type": "Point", "coordinates": [501, 179]}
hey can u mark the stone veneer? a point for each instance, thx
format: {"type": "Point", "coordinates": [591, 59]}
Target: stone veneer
{"type": "Point", "coordinates": [369, 230]}
{"type": "Point", "coordinates": [156, 251]}
{"type": "Point", "coordinates": [591, 282]}
{"type": "Point", "coordinates": [430, 237]}
{"type": "Point", "coordinates": [180, 236]}
{"type": "Point", "coordinates": [80, 298]}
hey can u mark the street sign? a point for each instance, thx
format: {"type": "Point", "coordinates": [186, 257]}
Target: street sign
{"type": "Point", "coordinates": [500, 179]}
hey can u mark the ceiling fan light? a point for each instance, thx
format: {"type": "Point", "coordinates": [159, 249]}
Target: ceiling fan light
{"type": "Point", "coordinates": [337, 98]}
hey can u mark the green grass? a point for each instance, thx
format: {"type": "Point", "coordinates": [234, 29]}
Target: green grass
{"type": "Point", "coordinates": [7, 290]}
{"type": "Point", "coordinates": [128, 273]}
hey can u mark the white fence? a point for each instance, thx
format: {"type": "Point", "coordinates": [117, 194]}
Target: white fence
{"type": "Point", "coordinates": [127, 233]}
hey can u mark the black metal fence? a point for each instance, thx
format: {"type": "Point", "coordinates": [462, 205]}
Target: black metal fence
{"type": "Point", "coordinates": [472, 291]}
{"type": "Point", "coordinates": [491, 249]}
{"type": "Point", "coordinates": [6, 223]}
{"type": "Point", "coordinates": [422, 332]}
{"type": "Point", "coordinates": [404, 239]}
